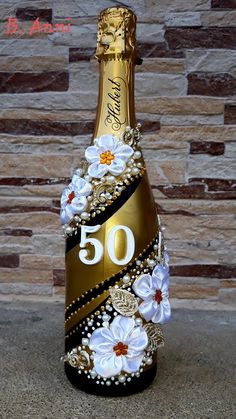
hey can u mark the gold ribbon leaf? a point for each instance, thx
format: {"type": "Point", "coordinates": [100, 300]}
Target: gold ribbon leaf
{"type": "Point", "coordinates": [155, 336]}
{"type": "Point", "coordinates": [124, 302]}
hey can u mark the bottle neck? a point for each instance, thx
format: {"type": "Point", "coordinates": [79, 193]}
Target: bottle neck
{"type": "Point", "coordinates": [116, 97]}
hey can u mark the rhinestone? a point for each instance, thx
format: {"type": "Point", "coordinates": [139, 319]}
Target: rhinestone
{"type": "Point", "coordinates": [93, 374]}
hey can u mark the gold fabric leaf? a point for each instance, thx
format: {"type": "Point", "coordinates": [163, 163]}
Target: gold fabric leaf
{"type": "Point", "coordinates": [124, 302]}
{"type": "Point", "coordinates": [155, 336]}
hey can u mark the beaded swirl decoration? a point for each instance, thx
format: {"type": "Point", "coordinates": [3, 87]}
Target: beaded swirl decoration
{"type": "Point", "coordinates": [118, 340]}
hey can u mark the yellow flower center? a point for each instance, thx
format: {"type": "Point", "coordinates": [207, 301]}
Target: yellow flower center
{"type": "Point", "coordinates": [106, 158]}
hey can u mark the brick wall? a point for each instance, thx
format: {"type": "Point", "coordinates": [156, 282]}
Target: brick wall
{"type": "Point", "coordinates": [186, 99]}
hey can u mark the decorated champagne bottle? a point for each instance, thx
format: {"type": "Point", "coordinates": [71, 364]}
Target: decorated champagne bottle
{"type": "Point", "coordinates": [116, 261]}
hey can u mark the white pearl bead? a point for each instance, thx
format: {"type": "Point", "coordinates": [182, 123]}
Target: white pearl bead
{"type": "Point", "coordinates": [122, 379]}
{"type": "Point", "coordinates": [108, 383]}
{"type": "Point", "coordinates": [84, 215]}
{"type": "Point", "coordinates": [138, 262]}
{"type": "Point", "coordinates": [126, 279]}
{"type": "Point", "coordinates": [69, 230]}
{"type": "Point", "coordinates": [137, 155]}
{"type": "Point", "coordinates": [139, 165]}
{"type": "Point", "coordinates": [135, 171]}
{"type": "Point", "coordinates": [85, 341]}
{"type": "Point", "coordinates": [110, 179]}
{"type": "Point", "coordinates": [151, 263]}
{"type": "Point", "coordinates": [139, 321]}
{"type": "Point", "coordinates": [149, 361]}
{"type": "Point", "coordinates": [76, 218]}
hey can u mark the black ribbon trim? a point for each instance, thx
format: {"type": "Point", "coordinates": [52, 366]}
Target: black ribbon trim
{"type": "Point", "coordinates": [74, 339]}
{"type": "Point", "coordinates": [101, 218]}
{"type": "Point", "coordinates": [95, 292]}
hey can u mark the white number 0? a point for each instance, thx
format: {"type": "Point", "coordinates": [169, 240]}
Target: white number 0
{"type": "Point", "coordinates": [83, 253]}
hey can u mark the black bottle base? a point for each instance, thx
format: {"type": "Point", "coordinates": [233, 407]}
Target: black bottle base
{"type": "Point", "coordinates": [136, 385]}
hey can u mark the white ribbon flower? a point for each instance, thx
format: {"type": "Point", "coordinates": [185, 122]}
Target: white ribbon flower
{"type": "Point", "coordinates": [118, 348]}
{"type": "Point", "coordinates": [107, 155]}
{"type": "Point", "coordinates": [73, 199]}
{"type": "Point", "coordinates": [153, 289]}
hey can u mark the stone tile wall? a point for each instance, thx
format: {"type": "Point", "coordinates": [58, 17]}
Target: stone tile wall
{"type": "Point", "coordinates": [186, 100]}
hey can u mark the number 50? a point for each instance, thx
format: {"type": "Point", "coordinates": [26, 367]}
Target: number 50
{"type": "Point", "coordinates": [98, 247]}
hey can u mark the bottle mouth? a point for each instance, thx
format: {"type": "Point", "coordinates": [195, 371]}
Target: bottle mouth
{"type": "Point", "coordinates": [116, 34]}
{"type": "Point", "coordinates": [116, 10]}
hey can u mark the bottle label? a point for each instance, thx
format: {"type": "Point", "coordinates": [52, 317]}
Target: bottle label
{"type": "Point", "coordinates": [114, 117]}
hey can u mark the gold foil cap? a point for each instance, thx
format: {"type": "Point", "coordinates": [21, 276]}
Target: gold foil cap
{"type": "Point", "coordinates": [116, 34]}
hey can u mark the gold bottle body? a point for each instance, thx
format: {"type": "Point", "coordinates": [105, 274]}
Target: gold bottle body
{"type": "Point", "coordinates": [138, 212]}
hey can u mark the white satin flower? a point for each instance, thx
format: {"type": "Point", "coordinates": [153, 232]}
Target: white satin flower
{"type": "Point", "coordinates": [107, 155]}
{"type": "Point", "coordinates": [73, 199]}
{"type": "Point", "coordinates": [118, 348]}
{"type": "Point", "coordinates": [153, 289]}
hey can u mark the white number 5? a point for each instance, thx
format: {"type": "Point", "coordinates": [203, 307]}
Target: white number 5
{"type": "Point", "coordinates": [95, 242]}
{"type": "Point", "coordinates": [110, 245]}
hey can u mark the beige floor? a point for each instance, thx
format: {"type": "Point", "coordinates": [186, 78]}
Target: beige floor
{"type": "Point", "coordinates": [195, 375]}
